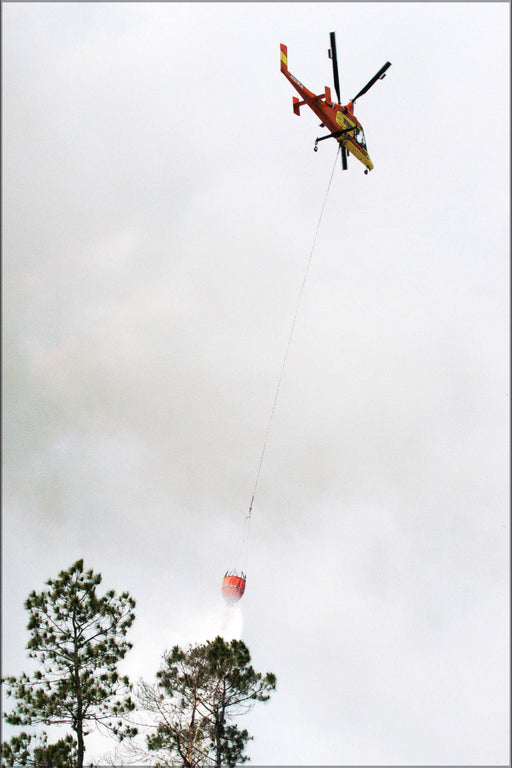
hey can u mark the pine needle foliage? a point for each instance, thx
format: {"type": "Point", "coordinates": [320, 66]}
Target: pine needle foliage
{"type": "Point", "coordinates": [77, 639]}
{"type": "Point", "coordinates": [31, 751]}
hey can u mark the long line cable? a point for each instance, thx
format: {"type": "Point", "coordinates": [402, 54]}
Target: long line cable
{"type": "Point", "coordinates": [243, 545]}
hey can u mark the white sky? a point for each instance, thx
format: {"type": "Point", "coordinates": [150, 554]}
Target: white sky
{"type": "Point", "coordinates": [160, 202]}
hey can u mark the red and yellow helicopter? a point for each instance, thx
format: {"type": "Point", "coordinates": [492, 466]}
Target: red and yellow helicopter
{"type": "Point", "coordinates": [338, 119]}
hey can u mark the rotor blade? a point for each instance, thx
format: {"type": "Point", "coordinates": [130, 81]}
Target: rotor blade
{"type": "Point", "coordinates": [332, 55]}
{"type": "Point", "coordinates": [344, 163]}
{"type": "Point", "coordinates": [380, 74]}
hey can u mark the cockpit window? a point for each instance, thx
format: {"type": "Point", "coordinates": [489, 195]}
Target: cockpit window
{"type": "Point", "coordinates": [359, 137]}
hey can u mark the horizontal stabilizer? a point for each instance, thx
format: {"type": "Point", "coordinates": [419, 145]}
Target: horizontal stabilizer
{"type": "Point", "coordinates": [297, 105]}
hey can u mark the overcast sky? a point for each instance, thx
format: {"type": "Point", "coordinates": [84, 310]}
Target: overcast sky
{"type": "Point", "coordinates": [160, 201]}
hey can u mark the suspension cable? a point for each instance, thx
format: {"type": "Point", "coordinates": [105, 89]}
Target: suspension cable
{"type": "Point", "coordinates": [278, 388]}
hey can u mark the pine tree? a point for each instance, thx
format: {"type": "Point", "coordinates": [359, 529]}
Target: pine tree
{"type": "Point", "coordinates": [77, 639]}
{"type": "Point", "coordinates": [199, 692]}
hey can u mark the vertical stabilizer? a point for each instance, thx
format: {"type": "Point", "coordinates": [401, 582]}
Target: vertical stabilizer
{"type": "Point", "coordinates": [284, 58]}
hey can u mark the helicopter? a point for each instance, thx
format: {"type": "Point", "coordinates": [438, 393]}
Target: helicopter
{"type": "Point", "coordinates": [337, 118]}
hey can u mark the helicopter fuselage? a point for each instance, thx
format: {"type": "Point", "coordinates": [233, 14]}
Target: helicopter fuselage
{"type": "Point", "coordinates": [337, 118]}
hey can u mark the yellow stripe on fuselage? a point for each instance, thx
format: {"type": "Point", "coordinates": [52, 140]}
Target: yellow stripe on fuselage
{"type": "Point", "coordinates": [345, 122]}
{"type": "Point", "coordinates": [284, 58]}
{"type": "Point", "coordinates": [353, 148]}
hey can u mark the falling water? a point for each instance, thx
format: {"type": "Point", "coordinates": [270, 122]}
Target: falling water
{"type": "Point", "coordinates": [231, 622]}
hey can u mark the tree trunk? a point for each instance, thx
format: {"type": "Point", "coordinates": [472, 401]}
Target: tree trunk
{"type": "Point", "coordinates": [218, 745]}
{"type": "Point", "coordinates": [220, 721]}
{"type": "Point", "coordinates": [79, 721]}
{"type": "Point", "coordinates": [80, 746]}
